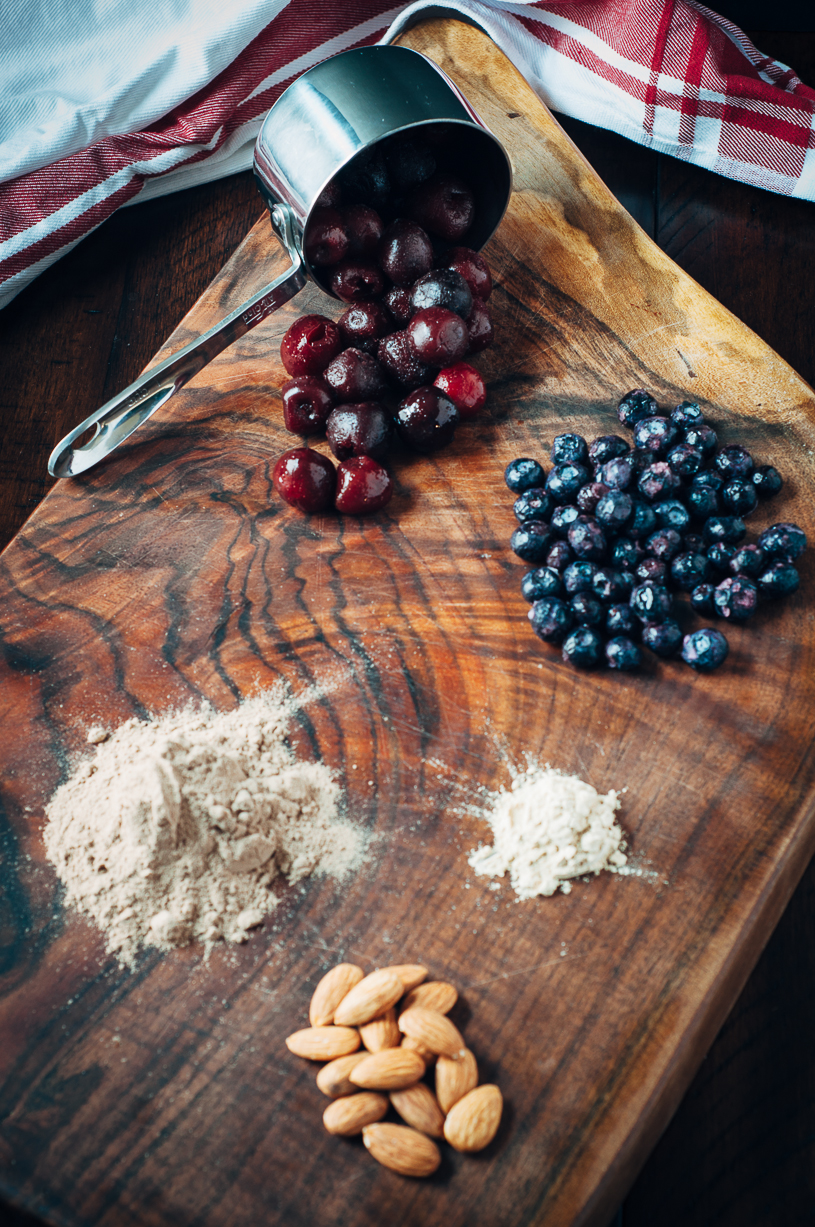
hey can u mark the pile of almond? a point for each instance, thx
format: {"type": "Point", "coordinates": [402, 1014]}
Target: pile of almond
{"type": "Point", "coordinates": [380, 1034]}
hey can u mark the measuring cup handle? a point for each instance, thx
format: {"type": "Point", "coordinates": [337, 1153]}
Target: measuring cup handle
{"type": "Point", "coordinates": [117, 419]}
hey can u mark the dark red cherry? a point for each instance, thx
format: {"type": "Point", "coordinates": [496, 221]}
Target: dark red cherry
{"type": "Point", "coordinates": [364, 227]}
{"type": "Point", "coordinates": [397, 300]}
{"type": "Point", "coordinates": [400, 361]}
{"type": "Point", "coordinates": [330, 197]}
{"type": "Point", "coordinates": [442, 287]}
{"type": "Point", "coordinates": [443, 206]}
{"type": "Point", "coordinates": [464, 386]}
{"type": "Point", "coordinates": [363, 324]}
{"type": "Point", "coordinates": [359, 430]}
{"type": "Point", "coordinates": [473, 268]}
{"type": "Point", "coordinates": [355, 376]}
{"type": "Point", "coordinates": [440, 337]}
{"type": "Point", "coordinates": [307, 403]}
{"type": "Point", "coordinates": [310, 344]}
{"type": "Point", "coordinates": [363, 486]}
{"type": "Point", "coordinates": [426, 419]}
{"type": "Point", "coordinates": [410, 160]}
{"type": "Point", "coordinates": [326, 239]}
{"type": "Point", "coordinates": [366, 181]}
{"type": "Point", "coordinates": [305, 479]}
{"type": "Point", "coordinates": [479, 327]}
{"type": "Point", "coordinates": [356, 281]}
{"type": "Point", "coordinates": [405, 252]}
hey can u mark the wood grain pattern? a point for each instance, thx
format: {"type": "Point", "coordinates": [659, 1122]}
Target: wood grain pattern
{"type": "Point", "coordinates": [175, 575]}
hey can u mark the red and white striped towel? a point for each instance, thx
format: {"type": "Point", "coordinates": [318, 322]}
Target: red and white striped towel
{"type": "Point", "coordinates": [670, 74]}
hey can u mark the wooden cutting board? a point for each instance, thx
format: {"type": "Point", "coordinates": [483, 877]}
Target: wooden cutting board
{"type": "Point", "coordinates": [166, 1096]}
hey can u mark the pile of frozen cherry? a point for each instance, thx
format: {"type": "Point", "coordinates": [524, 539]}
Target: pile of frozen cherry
{"type": "Point", "coordinates": [621, 531]}
{"type": "Point", "coordinates": [386, 239]}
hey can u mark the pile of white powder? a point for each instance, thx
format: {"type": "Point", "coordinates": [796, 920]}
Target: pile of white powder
{"type": "Point", "coordinates": [178, 827]}
{"type": "Point", "coordinates": [547, 829]}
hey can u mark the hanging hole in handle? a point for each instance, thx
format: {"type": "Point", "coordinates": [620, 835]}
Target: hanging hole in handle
{"type": "Point", "coordinates": [88, 436]}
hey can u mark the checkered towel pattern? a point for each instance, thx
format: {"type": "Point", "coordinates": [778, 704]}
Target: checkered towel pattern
{"type": "Point", "coordinates": [670, 74]}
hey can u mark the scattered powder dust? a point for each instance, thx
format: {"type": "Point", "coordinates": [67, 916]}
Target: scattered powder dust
{"type": "Point", "coordinates": [177, 828]}
{"type": "Point", "coordinates": [548, 828]}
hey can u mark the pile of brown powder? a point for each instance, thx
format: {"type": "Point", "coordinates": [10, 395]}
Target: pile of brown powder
{"type": "Point", "coordinates": [176, 830]}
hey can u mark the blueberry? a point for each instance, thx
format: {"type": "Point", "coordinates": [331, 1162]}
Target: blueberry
{"type": "Point", "coordinates": [523, 474]}
{"type": "Point", "coordinates": [579, 577]}
{"type": "Point", "coordinates": [620, 620]}
{"type": "Point", "coordinates": [783, 541]}
{"type": "Point", "coordinates": [719, 556]}
{"type": "Point", "coordinates": [779, 579]}
{"type": "Point", "coordinates": [583, 647]}
{"type": "Point", "coordinates": [608, 447]}
{"type": "Point", "coordinates": [622, 654]}
{"type": "Point", "coordinates": [734, 461]}
{"type": "Point", "coordinates": [587, 539]}
{"type": "Point", "coordinates": [672, 514]}
{"type": "Point", "coordinates": [559, 556]}
{"type": "Point", "coordinates": [534, 504]}
{"type": "Point", "coordinates": [702, 502]}
{"type": "Point", "coordinates": [705, 649]}
{"type": "Point", "coordinates": [563, 518]}
{"type": "Point", "coordinates": [655, 435]}
{"type": "Point", "coordinates": [664, 544]}
{"type": "Point", "coordinates": [652, 568]}
{"type": "Point", "coordinates": [531, 541]}
{"type": "Point", "coordinates": [739, 496]}
{"type": "Point", "coordinates": [767, 480]}
{"type": "Point", "coordinates": [729, 529]}
{"type": "Point", "coordinates": [587, 610]}
{"type": "Point", "coordinates": [703, 437]}
{"type": "Point", "coordinates": [736, 597]}
{"type": "Point", "coordinates": [639, 461]}
{"type": "Point", "coordinates": [651, 602]}
{"type": "Point", "coordinates": [643, 521]}
{"type": "Point", "coordinates": [551, 618]}
{"type": "Point", "coordinates": [628, 579]}
{"type": "Point", "coordinates": [687, 413]}
{"type": "Point", "coordinates": [685, 460]}
{"type": "Point", "coordinates": [614, 510]}
{"type": "Point", "coordinates": [566, 448]}
{"type": "Point", "coordinates": [689, 570]}
{"type": "Point", "coordinates": [658, 481]}
{"type": "Point", "coordinates": [693, 543]}
{"type": "Point", "coordinates": [635, 406]}
{"type": "Point", "coordinates": [609, 585]}
{"type": "Point", "coordinates": [748, 560]}
{"type": "Point", "coordinates": [626, 553]}
{"type": "Point", "coordinates": [702, 599]}
{"type": "Point", "coordinates": [663, 638]}
{"type": "Point", "coordinates": [565, 480]}
{"type": "Point", "coordinates": [540, 583]}
{"type": "Point", "coordinates": [589, 496]}
{"type": "Point", "coordinates": [708, 478]}
{"type": "Point", "coordinates": [617, 473]}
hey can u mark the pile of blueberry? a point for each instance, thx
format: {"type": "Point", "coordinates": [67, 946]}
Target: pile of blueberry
{"type": "Point", "coordinates": [616, 533]}
{"type": "Point", "coordinates": [386, 239]}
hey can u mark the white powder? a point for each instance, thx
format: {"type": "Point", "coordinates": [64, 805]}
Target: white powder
{"type": "Point", "coordinates": [548, 828]}
{"type": "Point", "coordinates": [176, 829]}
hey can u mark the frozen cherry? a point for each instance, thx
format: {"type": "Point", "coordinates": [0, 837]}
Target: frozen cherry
{"type": "Point", "coordinates": [397, 300]}
{"type": "Point", "coordinates": [473, 268]}
{"type": "Point", "coordinates": [307, 402]}
{"type": "Point", "coordinates": [443, 287]}
{"type": "Point", "coordinates": [426, 419]}
{"type": "Point", "coordinates": [326, 239]}
{"type": "Point", "coordinates": [363, 325]}
{"type": "Point", "coordinates": [400, 361]}
{"type": "Point", "coordinates": [465, 387]}
{"type": "Point", "coordinates": [330, 197]}
{"type": "Point", "coordinates": [439, 336]}
{"type": "Point", "coordinates": [356, 281]}
{"type": "Point", "coordinates": [364, 227]}
{"type": "Point", "coordinates": [305, 479]}
{"type": "Point", "coordinates": [355, 376]}
{"type": "Point", "coordinates": [405, 252]}
{"type": "Point", "coordinates": [310, 344]}
{"type": "Point", "coordinates": [443, 206]}
{"type": "Point", "coordinates": [359, 430]}
{"type": "Point", "coordinates": [363, 486]}
{"type": "Point", "coordinates": [479, 327]}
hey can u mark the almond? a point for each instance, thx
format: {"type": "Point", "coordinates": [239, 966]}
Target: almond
{"type": "Point", "coordinates": [349, 1115]}
{"type": "Point", "coordinates": [416, 1046]}
{"type": "Point", "coordinates": [372, 996]}
{"type": "Point", "coordinates": [381, 1032]}
{"type": "Point", "coordinates": [453, 1078]}
{"type": "Point", "coordinates": [402, 1149]}
{"type": "Point", "coordinates": [438, 995]}
{"type": "Point", "coordinates": [323, 1043]}
{"type": "Point", "coordinates": [333, 1078]}
{"type": "Point", "coordinates": [472, 1123]}
{"type": "Point", "coordinates": [431, 1029]}
{"type": "Point", "coordinates": [388, 1070]}
{"type": "Point", "coordinates": [328, 994]}
{"type": "Point", "coordinates": [410, 974]}
{"type": "Point", "coordinates": [417, 1106]}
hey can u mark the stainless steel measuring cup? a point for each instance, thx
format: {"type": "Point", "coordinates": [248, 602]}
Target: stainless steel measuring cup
{"type": "Point", "coordinates": [335, 112]}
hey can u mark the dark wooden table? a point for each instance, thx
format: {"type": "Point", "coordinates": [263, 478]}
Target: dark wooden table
{"type": "Point", "coordinates": [740, 1151]}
